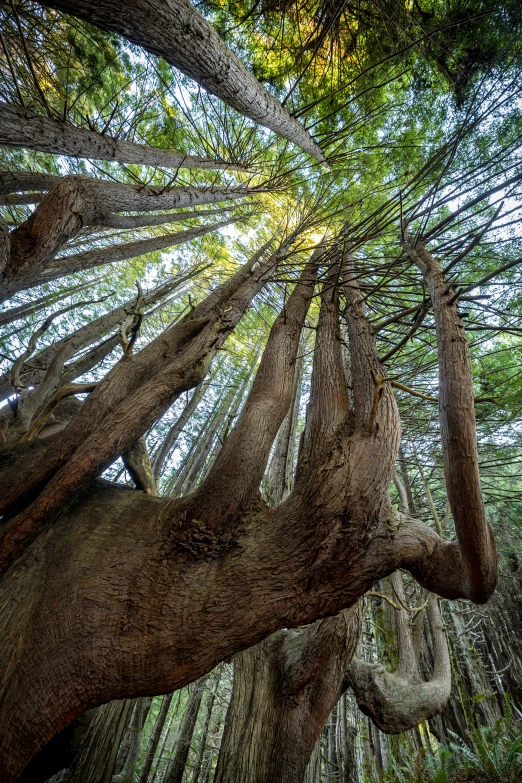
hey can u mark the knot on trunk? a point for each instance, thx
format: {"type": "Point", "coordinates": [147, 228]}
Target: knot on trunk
{"type": "Point", "coordinates": [201, 542]}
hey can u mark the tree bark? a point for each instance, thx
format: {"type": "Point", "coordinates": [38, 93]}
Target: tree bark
{"type": "Point", "coordinates": [76, 201]}
{"type": "Point", "coordinates": [182, 36]}
{"type": "Point", "coordinates": [139, 718]}
{"type": "Point", "coordinates": [21, 127]}
{"type": "Point", "coordinates": [284, 689]}
{"type": "Point", "coordinates": [155, 738]}
{"type": "Point", "coordinates": [77, 262]}
{"type": "Point", "coordinates": [113, 594]}
{"type": "Point", "coordinates": [175, 773]}
{"type": "Point", "coordinates": [204, 731]}
{"type": "Point", "coordinates": [95, 760]}
{"type": "Point", "coordinates": [33, 372]}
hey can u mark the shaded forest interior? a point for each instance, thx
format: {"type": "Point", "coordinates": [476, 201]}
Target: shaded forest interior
{"type": "Point", "coordinates": [260, 391]}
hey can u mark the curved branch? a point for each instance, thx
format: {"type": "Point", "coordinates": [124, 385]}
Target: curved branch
{"type": "Point", "coordinates": [477, 560]}
{"type": "Point", "coordinates": [397, 701]}
{"type": "Point", "coordinates": [134, 394]}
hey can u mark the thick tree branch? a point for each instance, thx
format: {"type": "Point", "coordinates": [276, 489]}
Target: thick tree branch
{"type": "Point", "coordinates": [21, 127]}
{"type": "Point", "coordinates": [477, 569]}
{"type": "Point", "coordinates": [182, 36]}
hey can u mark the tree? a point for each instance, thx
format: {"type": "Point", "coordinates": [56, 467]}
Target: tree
{"type": "Point", "coordinates": [109, 593]}
{"type": "Point", "coordinates": [284, 689]}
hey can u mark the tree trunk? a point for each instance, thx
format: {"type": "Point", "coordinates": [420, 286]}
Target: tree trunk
{"type": "Point", "coordinates": [155, 738]}
{"type": "Point", "coordinates": [96, 758]}
{"type": "Point", "coordinates": [70, 264]}
{"type": "Point", "coordinates": [21, 127]}
{"type": "Point", "coordinates": [284, 689]}
{"type": "Point", "coordinates": [169, 441]}
{"type": "Point", "coordinates": [193, 46]}
{"type": "Point", "coordinates": [175, 774]}
{"type": "Point", "coordinates": [153, 593]}
{"type": "Point", "coordinates": [204, 731]}
{"type": "Point", "coordinates": [77, 201]}
{"type": "Point", "coordinates": [141, 710]}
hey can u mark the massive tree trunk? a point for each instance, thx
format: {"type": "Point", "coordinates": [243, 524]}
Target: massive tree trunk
{"type": "Point", "coordinates": [284, 689]}
{"type": "Point", "coordinates": [182, 36]}
{"type": "Point", "coordinates": [109, 593]}
{"type": "Point", "coordinates": [21, 127]}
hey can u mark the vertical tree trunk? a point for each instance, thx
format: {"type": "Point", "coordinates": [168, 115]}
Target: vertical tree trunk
{"type": "Point", "coordinates": [139, 717]}
{"type": "Point", "coordinates": [204, 732]}
{"type": "Point", "coordinates": [95, 760]}
{"type": "Point", "coordinates": [155, 738]}
{"type": "Point", "coordinates": [175, 774]}
{"type": "Point", "coordinates": [283, 691]}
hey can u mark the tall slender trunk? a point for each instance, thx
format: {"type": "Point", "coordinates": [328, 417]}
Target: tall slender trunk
{"type": "Point", "coordinates": [175, 773]}
{"type": "Point", "coordinates": [204, 731]}
{"type": "Point", "coordinates": [141, 710]}
{"type": "Point", "coordinates": [167, 444]}
{"type": "Point", "coordinates": [183, 37]}
{"type": "Point", "coordinates": [90, 259]}
{"type": "Point", "coordinates": [155, 738]}
{"type": "Point", "coordinates": [21, 127]}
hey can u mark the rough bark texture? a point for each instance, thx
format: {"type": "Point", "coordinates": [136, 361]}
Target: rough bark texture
{"type": "Point", "coordinates": [94, 763]}
{"type": "Point", "coordinates": [284, 689]}
{"type": "Point", "coordinates": [74, 202]}
{"type": "Point", "coordinates": [177, 32]}
{"type": "Point", "coordinates": [399, 701]}
{"type": "Point", "coordinates": [21, 127]}
{"type": "Point", "coordinates": [135, 729]}
{"type": "Point", "coordinates": [475, 557]}
{"type": "Point", "coordinates": [108, 593]}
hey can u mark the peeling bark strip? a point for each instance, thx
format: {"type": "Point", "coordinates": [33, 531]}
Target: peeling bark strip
{"type": "Point", "coordinates": [176, 31]}
{"type": "Point", "coordinates": [21, 127]}
{"type": "Point", "coordinates": [77, 201]}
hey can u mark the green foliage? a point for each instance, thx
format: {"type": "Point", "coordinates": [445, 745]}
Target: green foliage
{"type": "Point", "coordinates": [495, 756]}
